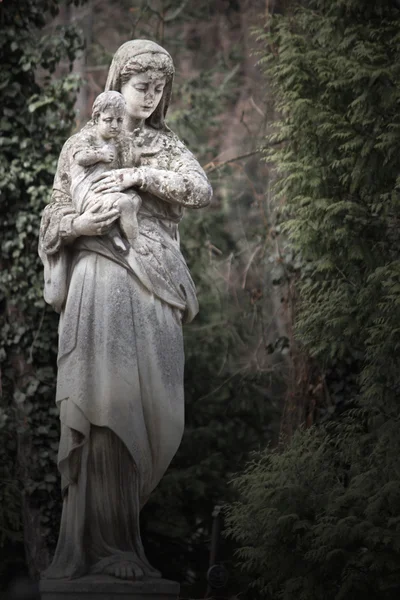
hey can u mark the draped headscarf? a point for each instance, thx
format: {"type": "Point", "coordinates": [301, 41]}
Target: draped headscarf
{"type": "Point", "coordinates": [126, 53]}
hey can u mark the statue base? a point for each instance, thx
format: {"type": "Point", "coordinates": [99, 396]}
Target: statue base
{"type": "Point", "coordinates": [104, 587]}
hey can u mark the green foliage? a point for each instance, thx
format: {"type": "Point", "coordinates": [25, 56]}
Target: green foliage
{"type": "Point", "coordinates": [318, 519]}
{"type": "Point", "coordinates": [36, 116]}
{"type": "Point", "coordinates": [336, 79]}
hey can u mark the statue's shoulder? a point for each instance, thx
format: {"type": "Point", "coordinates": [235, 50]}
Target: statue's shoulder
{"type": "Point", "coordinates": [172, 143]}
{"type": "Point", "coordinates": [124, 139]}
{"type": "Point", "coordinates": [82, 138]}
{"type": "Point", "coordinates": [70, 143]}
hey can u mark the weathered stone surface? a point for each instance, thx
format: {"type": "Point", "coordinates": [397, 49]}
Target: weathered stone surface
{"type": "Point", "coordinates": [103, 587]}
{"type": "Point", "coordinates": [109, 242]}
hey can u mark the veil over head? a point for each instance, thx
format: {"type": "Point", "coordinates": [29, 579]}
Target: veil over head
{"type": "Point", "coordinates": [125, 54]}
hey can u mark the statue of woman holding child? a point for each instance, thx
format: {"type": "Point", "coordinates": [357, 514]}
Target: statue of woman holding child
{"type": "Point", "coordinates": [113, 269]}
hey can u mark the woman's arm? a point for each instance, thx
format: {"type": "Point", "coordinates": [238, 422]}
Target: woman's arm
{"type": "Point", "coordinates": [190, 189]}
{"type": "Point", "coordinates": [61, 224]}
{"type": "Point", "coordinates": [56, 223]}
{"type": "Point", "coordinates": [183, 183]}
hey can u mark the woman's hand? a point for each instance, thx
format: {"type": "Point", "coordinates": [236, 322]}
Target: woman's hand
{"type": "Point", "coordinates": [92, 222]}
{"type": "Point", "coordinates": [117, 180]}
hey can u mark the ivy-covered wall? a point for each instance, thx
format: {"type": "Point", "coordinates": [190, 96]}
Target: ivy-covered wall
{"type": "Point", "coordinates": [35, 120]}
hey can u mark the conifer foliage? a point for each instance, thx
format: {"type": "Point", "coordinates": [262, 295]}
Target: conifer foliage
{"type": "Point", "coordinates": [319, 519]}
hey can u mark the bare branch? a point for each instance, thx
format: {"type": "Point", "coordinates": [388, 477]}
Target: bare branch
{"type": "Point", "coordinates": [258, 109]}
{"type": "Point", "coordinates": [175, 12]}
{"type": "Point", "coordinates": [37, 333]}
{"type": "Point", "coordinates": [213, 167]}
{"type": "Point", "coordinates": [258, 248]}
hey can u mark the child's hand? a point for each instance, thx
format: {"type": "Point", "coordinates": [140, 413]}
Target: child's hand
{"type": "Point", "coordinates": [108, 154]}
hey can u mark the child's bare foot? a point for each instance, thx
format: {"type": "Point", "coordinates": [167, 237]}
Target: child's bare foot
{"type": "Point", "coordinates": [139, 246]}
{"type": "Point", "coordinates": [118, 243]}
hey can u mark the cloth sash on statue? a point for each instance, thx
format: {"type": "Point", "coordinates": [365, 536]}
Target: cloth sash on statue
{"type": "Point", "coordinates": [163, 271]}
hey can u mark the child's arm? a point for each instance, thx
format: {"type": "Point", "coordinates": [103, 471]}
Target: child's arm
{"type": "Point", "coordinates": [87, 157]}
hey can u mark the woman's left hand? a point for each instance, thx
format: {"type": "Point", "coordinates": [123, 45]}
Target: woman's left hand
{"type": "Point", "coordinates": [117, 180]}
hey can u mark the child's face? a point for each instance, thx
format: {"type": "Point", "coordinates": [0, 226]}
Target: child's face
{"type": "Point", "coordinates": [109, 123]}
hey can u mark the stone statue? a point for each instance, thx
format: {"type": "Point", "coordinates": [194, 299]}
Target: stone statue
{"type": "Point", "coordinates": [102, 145]}
{"type": "Point", "coordinates": [113, 269]}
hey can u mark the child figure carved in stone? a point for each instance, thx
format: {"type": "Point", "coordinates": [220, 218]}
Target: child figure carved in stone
{"type": "Point", "coordinates": [101, 146]}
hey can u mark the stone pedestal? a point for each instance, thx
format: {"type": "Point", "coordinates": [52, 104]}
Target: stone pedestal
{"type": "Point", "coordinates": [103, 587]}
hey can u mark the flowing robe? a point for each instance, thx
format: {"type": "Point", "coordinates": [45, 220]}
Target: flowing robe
{"type": "Point", "coordinates": [120, 361]}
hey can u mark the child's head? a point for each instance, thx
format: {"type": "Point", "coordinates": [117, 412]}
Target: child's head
{"type": "Point", "coordinates": [107, 113]}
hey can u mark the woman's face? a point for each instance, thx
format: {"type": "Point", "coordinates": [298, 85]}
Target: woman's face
{"type": "Point", "coordinates": [142, 93]}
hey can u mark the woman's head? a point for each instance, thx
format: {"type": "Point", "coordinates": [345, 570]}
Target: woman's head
{"type": "Point", "coordinates": [153, 63]}
{"type": "Point", "coordinates": [143, 72]}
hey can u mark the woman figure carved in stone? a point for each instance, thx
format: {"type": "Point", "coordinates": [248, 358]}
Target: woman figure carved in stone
{"type": "Point", "coordinates": [120, 360]}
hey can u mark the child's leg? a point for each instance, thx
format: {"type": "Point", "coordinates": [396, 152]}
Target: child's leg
{"type": "Point", "coordinates": [110, 201]}
{"type": "Point", "coordinates": [128, 206]}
